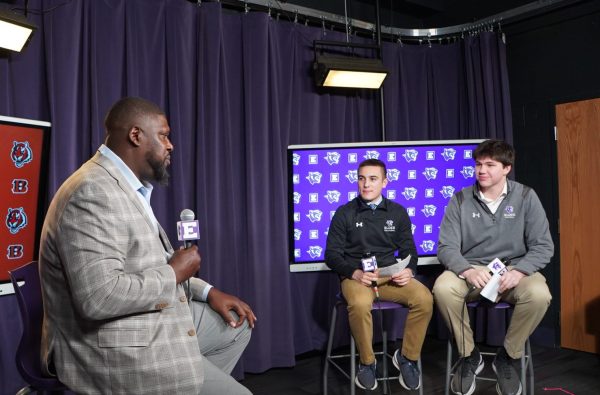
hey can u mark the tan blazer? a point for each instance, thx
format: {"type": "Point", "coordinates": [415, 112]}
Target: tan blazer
{"type": "Point", "coordinates": [115, 322]}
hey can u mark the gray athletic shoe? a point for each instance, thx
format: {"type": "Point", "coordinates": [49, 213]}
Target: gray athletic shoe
{"type": "Point", "coordinates": [463, 381]}
{"type": "Point", "coordinates": [366, 378]}
{"type": "Point", "coordinates": [410, 377]}
{"type": "Point", "coordinates": [507, 376]}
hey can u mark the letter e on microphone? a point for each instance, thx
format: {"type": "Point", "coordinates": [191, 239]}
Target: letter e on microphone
{"type": "Point", "coordinates": [188, 230]}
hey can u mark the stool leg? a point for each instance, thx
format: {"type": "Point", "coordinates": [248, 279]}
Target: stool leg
{"type": "Point", "coordinates": [352, 366]}
{"type": "Point", "coordinates": [329, 346]}
{"type": "Point", "coordinates": [420, 371]}
{"type": "Point", "coordinates": [384, 359]}
{"type": "Point", "coordinates": [523, 369]}
{"type": "Point", "coordinates": [448, 366]}
{"type": "Point", "coordinates": [530, 367]}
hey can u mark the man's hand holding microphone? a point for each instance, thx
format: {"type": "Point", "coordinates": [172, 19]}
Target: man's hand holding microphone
{"type": "Point", "coordinates": [365, 278]}
{"type": "Point", "coordinates": [186, 261]}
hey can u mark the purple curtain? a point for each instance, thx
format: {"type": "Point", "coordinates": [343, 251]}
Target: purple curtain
{"type": "Point", "coordinates": [454, 91]}
{"type": "Point", "coordinates": [237, 89]}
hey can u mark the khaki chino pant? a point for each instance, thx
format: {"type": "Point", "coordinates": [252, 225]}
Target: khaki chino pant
{"type": "Point", "coordinates": [531, 298]}
{"type": "Point", "coordinates": [360, 300]}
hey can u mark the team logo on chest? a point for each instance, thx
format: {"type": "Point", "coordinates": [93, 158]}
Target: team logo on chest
{"type": "Point", "coordinates": [509, 212]}
{"type": "Point", "coordinates": [389, 226]}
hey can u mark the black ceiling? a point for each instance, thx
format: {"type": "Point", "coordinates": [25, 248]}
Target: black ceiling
{"type": "Point", "coordinates": [416, 14]}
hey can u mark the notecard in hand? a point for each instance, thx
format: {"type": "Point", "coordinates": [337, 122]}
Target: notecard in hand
{"type": "Point", "coordinates": [395, 268]}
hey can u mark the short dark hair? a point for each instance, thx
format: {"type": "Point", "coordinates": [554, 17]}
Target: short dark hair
{"type": "Point", "coordinates": [123, 115]}
{"type": "Point", "coordinates": [373, 162]}
{"type": "Point", "coordinates": [497, 150]}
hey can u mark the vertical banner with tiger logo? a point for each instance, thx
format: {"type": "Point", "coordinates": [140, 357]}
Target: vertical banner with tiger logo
{"type": "Point", "coordinates": [21, 148]}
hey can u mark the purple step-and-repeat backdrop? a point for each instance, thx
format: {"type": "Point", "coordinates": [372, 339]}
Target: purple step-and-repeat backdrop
{"type": "Point", "coordinates": [422, 177]}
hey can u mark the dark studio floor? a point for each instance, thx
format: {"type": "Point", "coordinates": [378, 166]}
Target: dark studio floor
{"type": "Point", "coordinates": [557, 372]}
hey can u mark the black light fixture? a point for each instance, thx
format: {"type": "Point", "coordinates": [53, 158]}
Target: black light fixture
{"type": "Point", "coordinates": [343, 71]}
{"type": "Point", "coordinates": [15, 31]}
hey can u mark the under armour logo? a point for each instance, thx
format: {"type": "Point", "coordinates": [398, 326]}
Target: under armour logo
{"type": "Point", "coordinates": [359, 224]}
{"type": "Point", "coordinates": [476, 215]}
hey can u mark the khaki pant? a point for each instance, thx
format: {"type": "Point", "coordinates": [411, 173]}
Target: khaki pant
{"type": "Point", "coordinates": [360, 299]}
{"type": "Point", "coordinates": [531, 299]}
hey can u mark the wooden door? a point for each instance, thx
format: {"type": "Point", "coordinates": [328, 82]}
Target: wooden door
{"type": "Point", "coordinates": [578, 145]}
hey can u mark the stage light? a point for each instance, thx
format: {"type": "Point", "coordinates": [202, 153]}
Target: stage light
{"type": "Point", "coordinates": [15, 31]}
{"type": "Point", "coordinates": [341, 68]}
{"type": "Point", "coordinates": [349, 72]}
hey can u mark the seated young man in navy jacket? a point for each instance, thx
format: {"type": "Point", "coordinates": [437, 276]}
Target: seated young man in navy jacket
{"type": "Point", "coordinates": [373, 226]}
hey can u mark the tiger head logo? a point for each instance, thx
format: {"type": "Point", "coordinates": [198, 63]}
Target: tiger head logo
{"type": "Point", "coordinates": [16, 219]}
{"type": "Point", "coordinates": [21, 153]}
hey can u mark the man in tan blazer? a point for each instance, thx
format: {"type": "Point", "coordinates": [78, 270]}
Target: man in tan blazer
{"type": "Point", "coordinates": [116, 314]}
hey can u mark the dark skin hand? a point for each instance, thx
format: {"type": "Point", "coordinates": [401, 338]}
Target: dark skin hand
{"type": "Point", "coordinates": [222, 303]}
{"type": "Point", "coordinates": [185, 263]}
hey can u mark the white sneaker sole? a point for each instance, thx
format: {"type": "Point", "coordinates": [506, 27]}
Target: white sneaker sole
{"type": "Point", "coordinates": [359, 385]}
{"type": "Point", "coordinates": [400, 378]}
{"type": "Point", "coordinates": [498, 384]}
{"type": "Point", "coordinates": [472, 387]}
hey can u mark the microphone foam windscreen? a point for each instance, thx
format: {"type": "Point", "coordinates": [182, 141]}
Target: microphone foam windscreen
{"type": "Point", "coordinates": [187, 215]}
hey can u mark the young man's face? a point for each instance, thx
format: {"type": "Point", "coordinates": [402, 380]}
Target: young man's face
{"type": "Point", "coordinates": [371, 181]}
{"type": "Point", "coordinates": [490, 173]}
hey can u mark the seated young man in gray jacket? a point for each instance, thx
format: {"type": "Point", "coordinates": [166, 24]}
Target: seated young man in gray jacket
{"type": "Point", "coordinates": [495, 218]}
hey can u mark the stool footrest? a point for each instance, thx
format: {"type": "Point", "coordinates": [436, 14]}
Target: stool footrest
{"type": "Point", "coordinates": [384, 364]}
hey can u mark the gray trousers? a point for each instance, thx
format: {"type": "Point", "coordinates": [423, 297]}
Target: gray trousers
{"type": "Point", "coordinates": [531, 298]}
{"type": "Point", "coordinates": [221, 346]}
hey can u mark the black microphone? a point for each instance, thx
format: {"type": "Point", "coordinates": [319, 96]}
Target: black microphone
{"type": "Point", "coordinates": [375, 289]}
